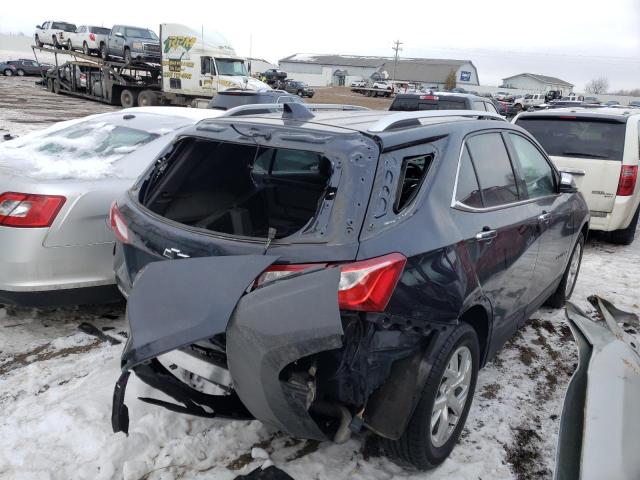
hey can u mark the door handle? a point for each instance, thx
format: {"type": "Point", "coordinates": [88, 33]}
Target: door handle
{"type": "Point", "coordinates": [573, 171]}
{"type": "Point", "coordinates": [545, 217]}
{"type": "Point", "coordinates": [486, 235]}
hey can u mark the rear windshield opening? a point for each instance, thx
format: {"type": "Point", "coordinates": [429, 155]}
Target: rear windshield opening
{"type": "Point", "coordinates": [575, 137]}
{"type": "Point", "coordinates": [240, 190]}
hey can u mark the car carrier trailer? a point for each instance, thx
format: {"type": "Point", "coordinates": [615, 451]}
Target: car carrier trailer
{"type": "Point", "coordinates": [373, 91]}
{"type": "Point", "coordinates": [108, 81]}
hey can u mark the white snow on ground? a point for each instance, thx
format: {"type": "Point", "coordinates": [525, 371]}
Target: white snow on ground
{"type": "Point", "coordinates": [56, 387]}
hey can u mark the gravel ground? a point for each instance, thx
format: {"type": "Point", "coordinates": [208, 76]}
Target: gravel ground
{"type": "Point", "coordinates": [56, 382]}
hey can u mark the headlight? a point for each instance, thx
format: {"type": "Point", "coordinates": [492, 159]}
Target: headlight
{"type": "Point", "coordinates": [137, 45]}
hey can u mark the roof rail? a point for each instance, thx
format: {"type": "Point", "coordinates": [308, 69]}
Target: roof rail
{"type": "Point", "coordinates": [389, 121]}
{"type": "Point", "coordinates": [295, 112]}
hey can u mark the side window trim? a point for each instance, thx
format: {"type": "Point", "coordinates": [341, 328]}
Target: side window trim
{"type": "Point", "coordinates": [475, 173]}
{"type": "Point", "coordinates": [515, 167]}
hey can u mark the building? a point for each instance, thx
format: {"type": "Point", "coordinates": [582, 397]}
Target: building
{"type": "Point", "coordinates": [536, 83]}
{"type": "Point", "coordinates": [323, 70]}
{"type": "Point", "coordinates": [259, 65]}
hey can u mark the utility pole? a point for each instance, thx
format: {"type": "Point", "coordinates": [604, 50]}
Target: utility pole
{"type": "Point", "coordinates": [396, 48]}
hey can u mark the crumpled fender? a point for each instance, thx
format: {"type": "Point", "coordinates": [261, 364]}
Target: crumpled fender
{"type": "Point", "coordinates": [274, 326]}
{"type": "Point", "coordinates": [600, 423]}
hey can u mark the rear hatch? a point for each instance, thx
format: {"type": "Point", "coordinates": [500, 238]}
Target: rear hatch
{"type": "Point", "coordinates": [296, 194]}
{"type": "Point", "coordinates": [590, 148]}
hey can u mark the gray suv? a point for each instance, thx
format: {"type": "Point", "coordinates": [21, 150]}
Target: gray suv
{"type": "Point", "coordinates": [131, 43]}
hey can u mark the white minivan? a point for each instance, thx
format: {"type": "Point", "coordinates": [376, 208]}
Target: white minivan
{"type": "Point", "coordinates": [600, 148]}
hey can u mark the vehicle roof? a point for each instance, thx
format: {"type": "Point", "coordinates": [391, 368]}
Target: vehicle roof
{"type": "Point", "coordinates": [362, 121]}
{"type": "Point", "coordinates": [619, 114]}
{"type": "Point", "coordinates": [186, 112]}
{"type": "Point", "coordinates": [439, 94]}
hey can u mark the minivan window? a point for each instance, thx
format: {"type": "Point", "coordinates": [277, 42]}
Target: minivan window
{"type": "Point", "coordinates": [495, 173]}
{"type": "Point", "coordinates": [467, 190]}
{"type": "Point", "coordinates": [536, 171]}
{"type": "Point", "coordinates": [570, 136]}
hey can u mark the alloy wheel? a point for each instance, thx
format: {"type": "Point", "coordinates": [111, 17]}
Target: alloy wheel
{"type": "Point", "coordinates": [574, 266]}
{"type": "Point", "coordinates": [452, 396]}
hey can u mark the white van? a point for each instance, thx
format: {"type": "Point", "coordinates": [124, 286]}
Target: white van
{"type": "Point", "coordinates": [600, 148]}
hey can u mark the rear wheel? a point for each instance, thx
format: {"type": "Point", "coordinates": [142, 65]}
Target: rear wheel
{"type": "Point", "coordinates": [444, 404]}
{"type": "Point", "coordinates": [128, 98]}
{"type": "Point", "coordinates": [103, 51]}
{"type": "Point", "coordinates": [50, 85]}
{"type": "Point", "coordinates": [38, 42]}
{"type": "Point", "coordinates": [69, 45]}
{"type": "Point", "coordinates": [56, 86]}
{"type": "Point", "coordinates": [127, 55]}
{"type": "Point", "coordinates": [85, 48]}
{"type": "Point", "coordinates": [8, 72]}
{"type": "Point", "coordinates": [147, 98]}
{"type": "Point", "coordinates": [570, 277]}
{"type": "Point", "coordinates": [55, 42]}
{"type": "Point", "coordinates": [626, 235]}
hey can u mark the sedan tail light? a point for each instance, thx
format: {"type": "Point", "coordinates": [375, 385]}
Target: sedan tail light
{"type": "Point", "coordinates": [366, 285]}
{"type": "Point", "coordinates": [118, 224]}
{"type": "Point", "coordinates": [92, 37]}
{"type": "Point", "coordinates": [627, 183]}
{"type": "Point", "coordinates": [29, 211]}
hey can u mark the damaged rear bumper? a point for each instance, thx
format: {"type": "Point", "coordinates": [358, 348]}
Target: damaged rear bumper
{"type": "Point", "coordinates": [177, 303]}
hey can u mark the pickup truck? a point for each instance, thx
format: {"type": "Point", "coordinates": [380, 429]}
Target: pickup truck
{"type": "Point", "coordinates": [53, 33]}
{"type": "Point", "coordinates": [131, 43]}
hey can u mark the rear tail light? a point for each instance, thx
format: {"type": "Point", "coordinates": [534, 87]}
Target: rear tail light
{"type": "Point", "coordinates": [92, 37]}
{"type": "Point", "coordinates": [428, 97]}
{"type": "Point", "coordinates": [118, 224]}
{"type": "Point", "coordinates": [627, 183]}
{"type": "Point", "coordinates": [366, 285]}
{"type": "Point", "coordinates": [29, 211]}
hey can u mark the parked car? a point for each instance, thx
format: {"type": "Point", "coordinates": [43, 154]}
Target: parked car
{"type": "Point", "coordinates": [56, 186]}
{"type": "Point", "coordinates": [299, 88]}
{"type": "Point", "coordinates": [634, 103]}
{"type": "Point", "coordinates": [530, 100]}
{"type": "Point", "coordinates": [24, 66]}
{"type": "Point", "coordinates": [342, 270]}
{"type": "Point", "coordinates": [7, 69]}
{"type": "Point", "coordinates": [591, 100]}
{"type": "Point", "coordinates": [600, 148]}
{"type": "Point", "coordinates": [501, 95]}
{"type": "Point", "coordinates": [505, 108]}
{"type": "Point", "coordinates": [359, 83]}
{"type": "Point", "coordinates": [53, 33]}
{"type": "Point", "coordinates": [131, 43]}
{"type": "Point", "coordinates": [612, 102]}
{"type": "Point", "coordinates": [382, 85]}
{"type": "Point", "coordinates": [88, 38]}
{"type": "Point", "coordinates": [441, 101]}
{"type": "Point", "coordinates": [231, 98]}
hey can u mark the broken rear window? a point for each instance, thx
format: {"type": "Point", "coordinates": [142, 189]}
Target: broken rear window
{"type": "Point", "coordinates": [237, 189]}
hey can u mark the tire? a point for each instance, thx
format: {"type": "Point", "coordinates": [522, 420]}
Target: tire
{"type": "Point", "coordinates": [104, 54]}
{"type": "Point", "coordinates": [38, 42]}
{"type": "Point", "coordinates": [126, 55]}
{"type": "Point", "coordinates": [50, 85]}
{"type": "Point", "coordinates": [147, 98]}
{"type": "Point", "coordinates": [69, 45]}
{"type": "Point", "coordinates": [56, 86]}
{"type": "Point", "coordinates": [55, 42]}
{"type": "Point", "coordinates": [300, 93]}
{"type": "Point", "coordinates": [626, 235]}
{"type": "Point", "coordinates": [569, 278]}
{"type": "Point", "coordinates": [128, 98]}
{"type": "Point", "coordinates": [8, 72]}
{"type": "Point", "coordinates": [85, 48]}
{"type": "Point", "coordinates": [417, 444]}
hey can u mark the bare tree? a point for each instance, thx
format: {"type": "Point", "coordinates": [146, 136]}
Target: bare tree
{"type": "Point", "coordinates": [597, 86]}
{"type": "Point", "coordinates": [450, 82]}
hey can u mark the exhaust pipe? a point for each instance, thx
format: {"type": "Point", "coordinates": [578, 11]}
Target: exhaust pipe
{"type": "Point", "coordinates": [343, 433]}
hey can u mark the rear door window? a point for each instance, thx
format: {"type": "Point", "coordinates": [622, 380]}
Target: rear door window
{"type": "Point", "coordinates": [478, 105]}
{"type": "Point", "coordinates": [467, 189]}
{"type": "Point", "coordinates": [495, 173]}
{"type": "Point", "coordinates": [490, 107]}
{"type": "Point", "coordinates": [597, 139]}
{"type": "Point", "coordinates": [538, 175]}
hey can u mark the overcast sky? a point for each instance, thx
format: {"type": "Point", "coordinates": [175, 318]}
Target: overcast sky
{"type": "Point", "coordinates": [573, 40]}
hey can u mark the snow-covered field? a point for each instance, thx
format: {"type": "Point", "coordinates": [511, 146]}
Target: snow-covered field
{"type": "Point", "coordinates": [56, 387]}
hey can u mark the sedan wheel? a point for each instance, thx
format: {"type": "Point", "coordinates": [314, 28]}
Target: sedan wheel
{"type": "Point", "coordinates": [452, 396]}
{"type": "Point", "coordinates": [8, 72]}
{"type": "Point", "coordinates": [570, 277]}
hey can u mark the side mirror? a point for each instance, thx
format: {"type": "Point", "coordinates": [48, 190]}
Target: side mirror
{"type": "Point", "coordinates": [39, 27]}
{"type": "Point", "coordinates": [567, 184]}
{"type": "Point", "coordinates": [121, 35]}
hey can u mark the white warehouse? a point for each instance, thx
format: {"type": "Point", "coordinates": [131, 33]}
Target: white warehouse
{"type": "Point", "coordinates": [323, 70]}
{"type": "Point", "coordinates": [536, 83]}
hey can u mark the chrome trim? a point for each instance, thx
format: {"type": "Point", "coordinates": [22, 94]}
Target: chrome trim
{"type": "Point", "coordinates": [389, 120]}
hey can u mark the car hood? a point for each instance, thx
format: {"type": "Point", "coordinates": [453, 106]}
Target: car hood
{"type": "Point", "coordinates": [239, 81]}
{"type": "Point", "coordinates": [600, 423]}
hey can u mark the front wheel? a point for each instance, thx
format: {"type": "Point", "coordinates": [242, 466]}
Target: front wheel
{"type": "Point", "coordinates": [442, 410]}
{"type": "Point", "coordinates": [69, 45]}
{"type": "Point", "coordinates": [103, 52]}
{"type": "Point", "coordinates": [20, 72]}
{"type": "Point", "coordinates": [147, 98]}
{"type": "Point", "coordinates": [38, 42]}
{"type": "Point", "coordinates": [570, 277]}
{"type": "Point", "coordinates": [85, 48]}
{"type": "Point", "coordinates": [127, 55]}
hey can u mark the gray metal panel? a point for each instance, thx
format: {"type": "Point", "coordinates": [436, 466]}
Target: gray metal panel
{"type": "Point", "coordinates": [175, 303]}
{"type": "Point", "coordinates": [273, 327]}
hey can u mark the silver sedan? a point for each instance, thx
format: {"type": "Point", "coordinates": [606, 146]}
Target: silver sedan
{"type": "Point", "coordinates": [56, 187]}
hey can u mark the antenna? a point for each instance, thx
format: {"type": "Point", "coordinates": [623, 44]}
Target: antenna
{"type": "Point", "coordinates": [396, 48]}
